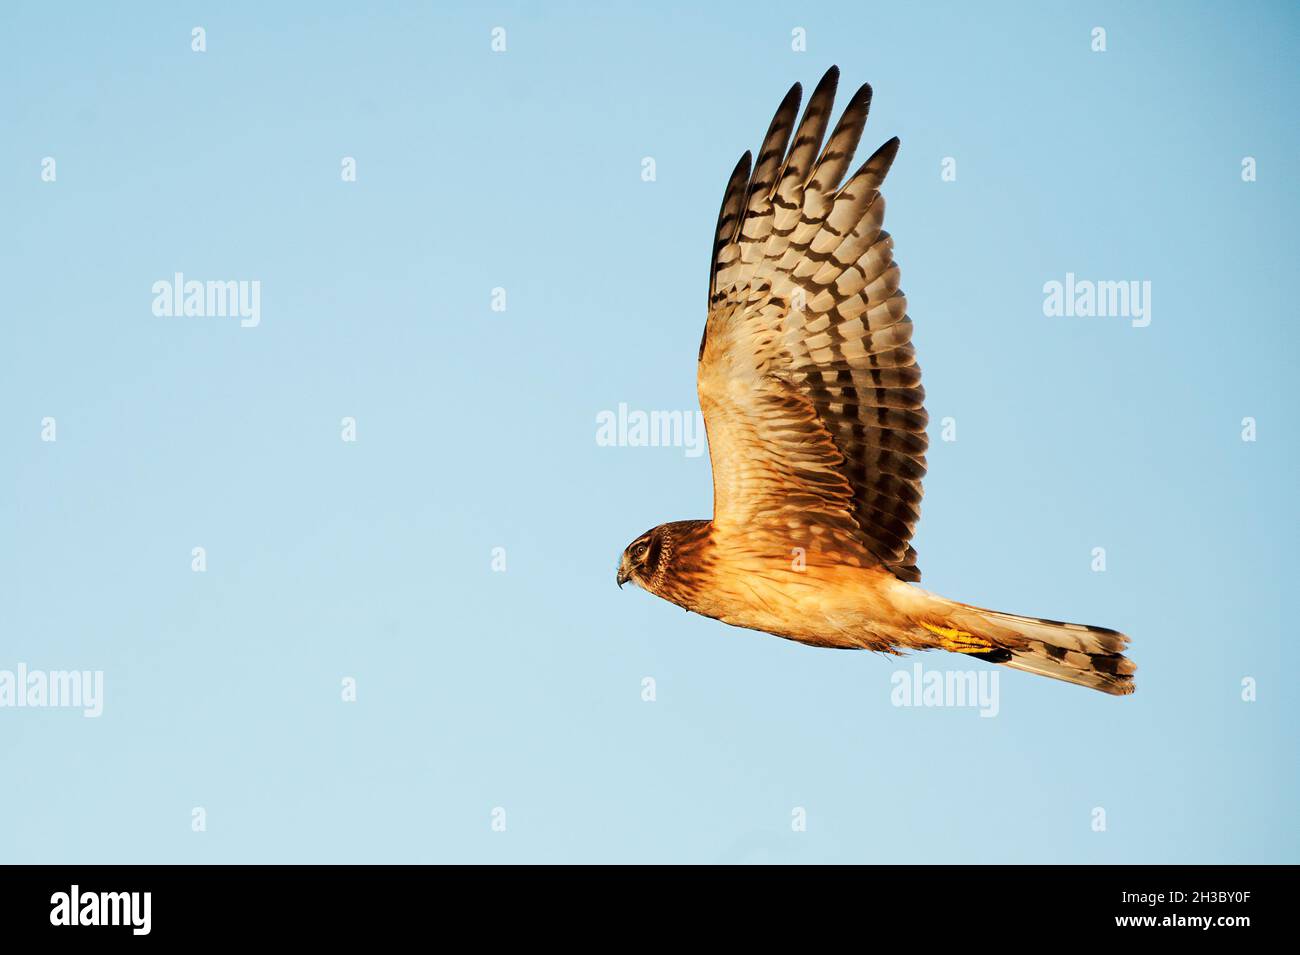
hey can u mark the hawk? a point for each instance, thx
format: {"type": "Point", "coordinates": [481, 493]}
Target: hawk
{"type": "Point", "coordinates": [815, 416]}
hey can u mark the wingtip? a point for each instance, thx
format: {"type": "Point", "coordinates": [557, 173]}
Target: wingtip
{"type": "Point", "coordinates": [829, 82]}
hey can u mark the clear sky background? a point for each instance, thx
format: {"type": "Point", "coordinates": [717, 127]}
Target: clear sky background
{"type": "Point", "coordinates": [476, 430]}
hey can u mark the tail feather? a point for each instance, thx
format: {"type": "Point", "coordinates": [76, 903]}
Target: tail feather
{"type": "Point", "coordinates": [1073, 652]}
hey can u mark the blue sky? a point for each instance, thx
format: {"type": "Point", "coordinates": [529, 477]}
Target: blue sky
{"type": "Point", "coordinates": [476, 429]}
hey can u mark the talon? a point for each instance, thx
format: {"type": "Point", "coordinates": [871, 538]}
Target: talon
{"type": "Point", "coordinates": [958, 641]}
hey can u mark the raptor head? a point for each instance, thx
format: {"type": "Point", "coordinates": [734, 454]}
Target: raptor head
{"type": "Point", "coordinates": [642, 562]}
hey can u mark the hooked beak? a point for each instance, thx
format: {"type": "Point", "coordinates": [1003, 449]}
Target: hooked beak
{"type": "Point", "coordinates": [624, 575]}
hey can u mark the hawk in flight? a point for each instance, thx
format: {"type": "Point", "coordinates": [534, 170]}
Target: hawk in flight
{"type": "Point", "coordinates": [813, 405]}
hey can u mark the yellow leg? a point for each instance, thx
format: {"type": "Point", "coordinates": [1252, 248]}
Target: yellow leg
{"type": "Point", "coordinates": [958, 641]}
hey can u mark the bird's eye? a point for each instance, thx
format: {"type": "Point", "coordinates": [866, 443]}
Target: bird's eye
{"type": "Point", "coordinates": [639, 551]}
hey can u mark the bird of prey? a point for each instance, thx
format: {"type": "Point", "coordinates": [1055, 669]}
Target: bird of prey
{"type": "Point", "coordinates": [814, 412]}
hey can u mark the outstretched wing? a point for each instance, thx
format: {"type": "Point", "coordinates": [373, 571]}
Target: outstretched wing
{"type": "Point", "coordinates": [807, 377]}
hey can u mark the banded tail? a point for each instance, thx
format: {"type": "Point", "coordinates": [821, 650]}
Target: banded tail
{"type": "Point", "coordinates": [1073, 652]}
